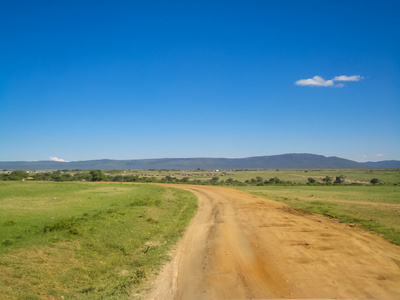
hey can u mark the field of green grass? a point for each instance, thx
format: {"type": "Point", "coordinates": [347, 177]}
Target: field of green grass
{"type": "Point", "coordinates": [376, 208]}
{"type": "Point", "coordinates": [86, 240]}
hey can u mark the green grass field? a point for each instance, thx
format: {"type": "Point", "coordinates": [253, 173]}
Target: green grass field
{"type": "Point", "coordinates": [376, 208]}
{"type": "Point", "coordinates": [86, 240]}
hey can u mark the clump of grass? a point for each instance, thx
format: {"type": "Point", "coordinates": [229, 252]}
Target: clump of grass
{"type": "Point", "coordinates": [152, 221]}
{"type": "Point", "coordinates": [9, 223]}
{"type": "Point", "coordinates": [68, 225]}
{"type": "Point", "coordinates": [7, 243]}
{"type": "Point", "coordinates": [146, 201]}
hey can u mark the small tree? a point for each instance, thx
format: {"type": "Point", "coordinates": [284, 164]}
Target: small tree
{"type": "Point", "coordinates": [185, 179]}
{"type": "Point", "coordinates": [276, 179]}
{"type": "Point", "coordinates": [214, 180]}
{"type": "Point", "coordinates": [98, 175]}
{"type": "Point", "coordinates": [56, 176]}
{"type": "Point", "coordinates": [259, 179]}
{"type": "Point", "coordinates": [17, 175]}
{"type": "Point", "coordinates": [327, 179]}
{"type": "Point", "coordinates": [169, 178]}
{"type": "Point", "coordinates": [339, 179]}
{"type": "Point", "coordinates": [374, 180]}
{"type": "Point", "coordinates": [311, 180]}
{"type": "Point", "coordinates": [118, 178]}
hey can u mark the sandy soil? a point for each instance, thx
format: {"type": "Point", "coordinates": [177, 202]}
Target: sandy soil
{"type": "Point", "coordinates": [241, 246]}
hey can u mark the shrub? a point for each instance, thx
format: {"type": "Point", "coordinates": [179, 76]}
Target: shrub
{"type": "Point", "coordinates": [374, 180]}
{"type": "Point", "coordinates": [339, 179]}
{"type": "Point", "coordinates": [311, 180]}
{"type": "Point", "coordinates": [327, 179]}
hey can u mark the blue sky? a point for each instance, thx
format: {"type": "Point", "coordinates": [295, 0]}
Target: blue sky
{"type": "Point", "coordinates": [84, 80]}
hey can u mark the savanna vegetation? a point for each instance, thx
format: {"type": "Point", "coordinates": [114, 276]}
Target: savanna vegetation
{"type": "Point", "coordinates": [66, 240]}
{"type": "Point", "coordinates": [69, 234]}
{"type": "Point", "coordinates": [216, 177]}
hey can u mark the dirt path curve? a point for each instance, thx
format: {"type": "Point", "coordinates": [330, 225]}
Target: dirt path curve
{"type": "Point", "coordinates": [241, 246]}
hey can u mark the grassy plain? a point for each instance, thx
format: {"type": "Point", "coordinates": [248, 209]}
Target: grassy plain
{"type": "Point", "coordinates": [99, 240]}
{"type": "Point", "coordinates": [376, 208]}
{"type": "Point", "coordinates": [298, 176]}
{"type": "Point", "coordinates": [85, 240]}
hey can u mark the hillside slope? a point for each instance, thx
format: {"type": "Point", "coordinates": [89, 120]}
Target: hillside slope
{"type": "Point", "coordinates": [283, 161]}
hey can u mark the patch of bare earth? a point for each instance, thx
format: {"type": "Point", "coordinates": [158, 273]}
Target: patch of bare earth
{"type": "Point", "coordinates": [244, 247]}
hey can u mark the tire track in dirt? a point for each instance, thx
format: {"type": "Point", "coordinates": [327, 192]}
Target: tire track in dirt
{"type": "Point", "coordinates": [240, 246]}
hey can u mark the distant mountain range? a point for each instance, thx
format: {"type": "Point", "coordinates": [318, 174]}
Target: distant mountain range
{"type": "Point", "coordinates": [283, 161]}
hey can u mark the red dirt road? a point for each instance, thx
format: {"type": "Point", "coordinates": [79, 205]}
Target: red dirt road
{"type": "Point", "coordinates": [241, 246]}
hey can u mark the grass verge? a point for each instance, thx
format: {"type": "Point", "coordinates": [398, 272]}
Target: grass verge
{"type": "Point", "coordinates": [86, 240]}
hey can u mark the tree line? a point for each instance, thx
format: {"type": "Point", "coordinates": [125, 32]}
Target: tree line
{"type": "Point", "coordinates": [99, 175]}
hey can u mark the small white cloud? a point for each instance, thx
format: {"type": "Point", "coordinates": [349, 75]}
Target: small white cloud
{"type": "Point", "coordinates": [53, 158]}
{"type": "Point", "coordinates": [319, 81]}
{"type": "Point", "coordinates": [315, 81]}
{"type": "Point", "coordinates": [364, 156]}
{"type": "Point", "coordinates": [348, 78]}
{"type": "Point", "coordinates": [379, 155]}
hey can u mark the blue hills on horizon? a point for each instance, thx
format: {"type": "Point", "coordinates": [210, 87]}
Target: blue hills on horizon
{"type": "Point", "coordinates": [282, 161]}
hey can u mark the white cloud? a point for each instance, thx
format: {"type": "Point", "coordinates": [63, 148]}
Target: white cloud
{"type": "Point", "coordinates": [364, 156]}
{"type": "Point", "coordinates": [315, 81]}
{"type": "Point", "coordinates": [348, 78]}
{"type": "Point", "coordinates": [319, 81]}
{"type": "Point", "coordinates": [53, 158]}
{"type": "Point", "coordinates": [379, 155]}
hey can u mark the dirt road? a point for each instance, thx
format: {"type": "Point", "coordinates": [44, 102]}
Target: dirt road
{"type": "Point", "coordinates": [241, 246]}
